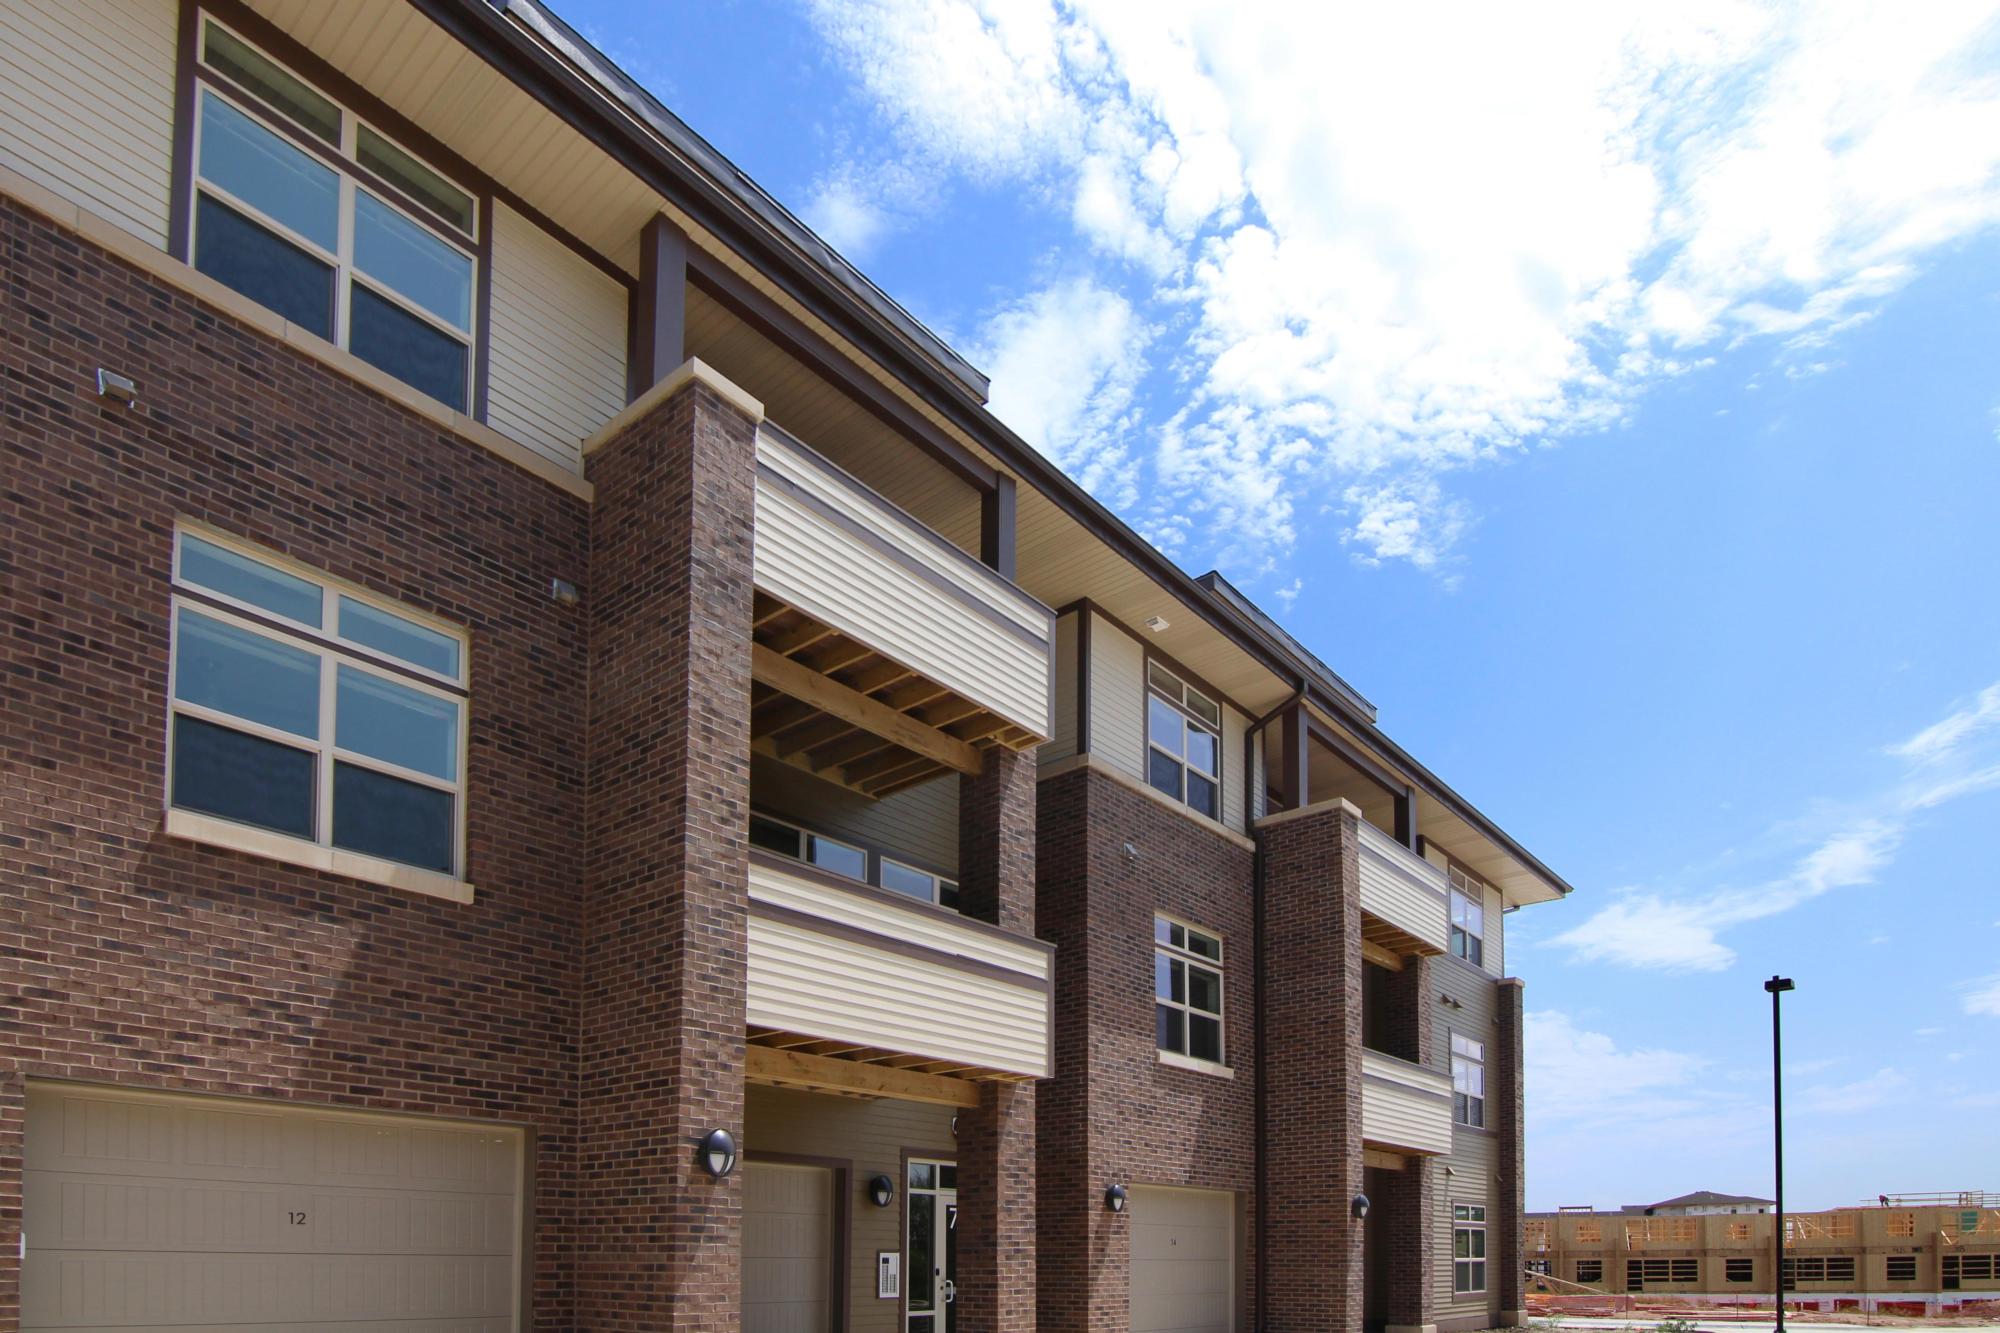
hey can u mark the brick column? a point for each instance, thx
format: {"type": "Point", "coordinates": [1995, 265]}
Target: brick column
{"type": "Point", "coordinates": [1411, 1233]}
{"type": "Point", "coordinates": [1312, 1068]}
{"type": "Point", "coordinates": [996, 1140]}
{"type": "Point", "coordinates": [665, 878]}
{"type": "Point", "coordinates": [1510, 1196]}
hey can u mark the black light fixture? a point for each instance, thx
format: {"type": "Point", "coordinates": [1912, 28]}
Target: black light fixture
{"type": "Point", "coordinates": [1114, 1198]}
{"type": "Point", "coordinates": [1360, 1206]}
{"type": "Point", "coordinates": [881, 1191]}
{"type": "Point", "coordinates": [717, 1152]}
{"type": "Point", "coordinates": [1777, 986]}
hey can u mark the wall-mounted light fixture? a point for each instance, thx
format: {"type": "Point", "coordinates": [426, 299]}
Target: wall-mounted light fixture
{"type": "Point", "coordinates": [563, 592]}
{"type": "Point", "coordinates": [1156, 623]}
{"type": "Point", "coordinates": [717, 1152]}
{"type": "Point", "coordinates": [1360, 1206]}
{"type": "Point", "coordinates": [118, 388]}
{"type": "Point", "coordinates": [881, 1191]}
{"type": "Point", "coordinates": [1114, 1198]}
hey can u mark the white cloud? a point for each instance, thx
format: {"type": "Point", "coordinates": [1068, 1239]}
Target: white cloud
{"type": "Point", "coordinates": [846, 217]}
{"type": "Point", "coordinates": [1399, 256]}
{"type": "Point", "coordinates": [1943, 738]}
{"type": "Point", "coordinates": [1878, 1089]}
{"type": "Point", "coordinates": [1982, 996]}
{"type": "Point", "coordinates": [1574, 1074]}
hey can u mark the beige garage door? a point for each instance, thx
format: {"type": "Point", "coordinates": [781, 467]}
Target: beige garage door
{"type": "Point", "coordinates": [1183, 1260]}
{"type": "Point", "coordinates": [787, 1248]}
{"type": "Point", "coordinates": [196, 1213]}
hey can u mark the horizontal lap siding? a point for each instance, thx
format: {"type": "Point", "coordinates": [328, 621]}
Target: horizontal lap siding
{"type": "Point", "coordinates": [829, 572]}
{"type": "Point", "coordinates": [1117, 699]}
{"type": "Point", "coordinates": [918, 825]}
{"type": "Point", "coordinates": [556, 357]}
{"type": "Point", "coordinates": [1475, 1154]}
{"type": "Point", "coordinates": [1401, 890]}
{"type": "Point", "coordinates": [1404, 1115]}
{"type": "Point", "coordinates": [110, 150]}
{"type": "Point", "coordinates": [1234, 727]}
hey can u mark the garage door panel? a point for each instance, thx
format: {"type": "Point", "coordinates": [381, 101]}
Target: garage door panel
{"type": "Point", "coordinates": [1183, 1260]}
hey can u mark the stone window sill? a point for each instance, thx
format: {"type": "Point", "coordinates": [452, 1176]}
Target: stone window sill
{"type": "Point", "coordinates": [210, 831]}
{"type": "Point", "coordinates": [1189, 1063]}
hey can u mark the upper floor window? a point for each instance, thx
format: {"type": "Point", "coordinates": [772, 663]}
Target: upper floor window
{"type": "Point", "coordinates": [309, 710]}
{"type": "Point", "coordinates": [1468, 1081]}
{"type": "Point", "coordinates": [851, 860]}
{"type": "Point", "coordinates": [1184, 741]}
{"type": "Point", "coordinates": [1468, 917]}
{"type": "Point", "coordinates": [307, 210]}
{"type": "Point", "coordinates": [1187, 990]}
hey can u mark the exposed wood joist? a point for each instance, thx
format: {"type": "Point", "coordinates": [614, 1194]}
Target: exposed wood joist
{"type": "Point", "coordinates": [795, 1068]}
{"type": "Point", "coordinates": [1381, 957]}
{"type": "Point", "coordinates": [830, 696]}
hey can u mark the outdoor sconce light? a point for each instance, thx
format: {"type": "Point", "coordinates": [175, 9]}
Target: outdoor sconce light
{"type": "Point", "coordinates": [1114, 1198]}
{"type": "Point", "coordinates": [882, 1191]}
{"type": "Point", "coordinates": [1360, 1207]}
{"type": "Point", "coordinates": [118, 388]}
{"type": "Point", "coordinates": [717, 1153]}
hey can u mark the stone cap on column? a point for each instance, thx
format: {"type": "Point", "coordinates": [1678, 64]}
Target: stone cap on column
{"type": "Point", "coordinates": [1338, 804]}
{"type": "Point", "coordinates": [691, 371]}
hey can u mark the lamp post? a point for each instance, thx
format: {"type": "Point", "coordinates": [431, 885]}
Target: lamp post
{"type": "Point", "coordinates": [1778, 986]}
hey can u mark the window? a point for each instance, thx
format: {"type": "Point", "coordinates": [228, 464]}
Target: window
{"type": "Point", "coordinates": [919, 884]}
{"type": "Point", "coordinates": [1468, 917]}
{"type": "Point", "coordinates": [1184, 736]}
{"type": "Point", "coordinates": [307, 211]}
{"type": "Point", "coordinates": [302, 708]}
{"type": "Point", "coordinates": [1818, 1268]}
{"type": "Point", "coordinates": [1739, 1231]}
{"type": "Point", "coordinates": [1590, 1270]}
{"type": "Point", "coordinates": [1589, 1233]}
{"type": "Point", "coordinates": [1639, 1272]}
{"type": "Point", "coordinates": [1187, 990]}
{"type": "Point", "coordinates": [1540, 1267]}
{"type": "Point", "coordinates": [841, 858]}
{"type": "Point", "coordinates": [1902, 1224]}
{"type": "Point", "coordinates": [1468, 1248]}
{"type": "Point", "coordinates": [1970, 1268]}
{"type": "Point", "coordinates": [1468, 1081]}
{"type": "Point", "coordinates": [1902, 1268]}
{"type": "Point", "coordinates": [1737, 1270]}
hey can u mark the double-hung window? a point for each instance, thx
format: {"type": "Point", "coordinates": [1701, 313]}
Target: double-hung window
{"type": "Point", "coordinates": [1468, 1081]}
{"type": "Point", "coordinates": [310, 710]}
{"type": "Point", "coordinates": [307, 210]}
{"type": "Point", "coordinates": [1468, 917]}
{"type": "Point", "coordinates": [1184, 742]}
{"type": "Point", "coordinates": [1187, 990]}
{"type": "Point", "coordinates": [1468, 1248]}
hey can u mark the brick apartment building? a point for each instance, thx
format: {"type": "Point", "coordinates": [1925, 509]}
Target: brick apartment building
{"type": "Point", "coordinates": [517, 658]}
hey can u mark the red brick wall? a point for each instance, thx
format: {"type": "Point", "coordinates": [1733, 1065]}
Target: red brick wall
{"type": "Point", "coordinates": [1113, 1113]}
{"type": "Point", "coordinates": [665, 921]}
{"type": "Point", "coordinates": [140, 960]}
{"type": "Point", "coordinates": [1312, 1071]}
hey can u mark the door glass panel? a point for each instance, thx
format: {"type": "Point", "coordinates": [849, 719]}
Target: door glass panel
{"type": "Point", "coordinates": [222, 570]}
{"type": "Point", "coordinates": [950, 1265]}
{"type": "Point", "coordinates": [246, 675]}
{"type": "Point", "coordinates": [923, 1253]}
{"type": "Point", "coordinates": [923, 1176]}
{"type": "Point", "coordinates": [396, 724]}
{"type": "Point", "coordinates": [260, 168]}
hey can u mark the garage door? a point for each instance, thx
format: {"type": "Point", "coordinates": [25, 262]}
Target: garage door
{"type": "Point", "coordinates": [1183, 1260]}
{"type": "Point", "coordinates": [787, 1248]}
{"type": "Point", "coordinates": [192, 1213]}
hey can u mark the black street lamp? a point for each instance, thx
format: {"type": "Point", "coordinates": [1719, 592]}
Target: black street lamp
{"type": "Point", "coordinates": [1778, 986]}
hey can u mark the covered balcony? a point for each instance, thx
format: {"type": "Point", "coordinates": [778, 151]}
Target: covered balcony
{"type": "Point", "coordinates": [1404, 1107]}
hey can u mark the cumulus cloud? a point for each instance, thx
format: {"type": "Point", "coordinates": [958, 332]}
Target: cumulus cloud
{"type": "Point", "coordinates": [1392, 257]}
{"type": "Point", "coordinates": [1575, 1074]}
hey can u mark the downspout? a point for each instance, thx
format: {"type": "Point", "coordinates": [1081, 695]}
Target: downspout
{"type": "Point", "coordinates": [1260, 1118]}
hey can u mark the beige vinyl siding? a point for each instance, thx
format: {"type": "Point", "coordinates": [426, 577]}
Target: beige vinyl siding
{"type": "Point", "coordinates": [1403, 1105]}
{"type": "Point", "coordinates": [152, 1211]}
{"type": "Point", "coordinates": [824, 983]}
{"type": "Point", "coordinates": [1474, 1158]}
{"type": "Point", "coordinates": [1402, 888]}
{"type": "Point", "coordinates": [1062, 727]}
{"type": "Point", "coordinates": [871, 1136]}
{"type": "Point", "coordinates": [1258, 795]}
{"type": "Point", "coordinates": [556, 356]}
{"type": "Point", "coordinates": [1234, 727]}
{"type": "Point", "coordinates": [1117, 699]}
{"type": "Point", "coordinates": [1495, 952]}
{"type": "Point", "coordinates": [809, 560]}
{"type": "Point", "coordinates": [918, 826]}
{"type": "Point", "coordinates": [87, 105]}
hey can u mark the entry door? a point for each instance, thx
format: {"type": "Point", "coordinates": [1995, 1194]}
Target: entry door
{"type": "Point", "coordinates": [930, 1250]}
{"type": "Point", "coordinates": [787, 1248]}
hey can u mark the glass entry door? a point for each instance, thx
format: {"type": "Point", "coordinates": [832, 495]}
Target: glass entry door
{"type": "Point", "coordinates": [930, 1249]}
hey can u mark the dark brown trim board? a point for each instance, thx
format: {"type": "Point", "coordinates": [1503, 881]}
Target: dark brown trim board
{"type": "Point", "coordinates": [996, 527]}
{"type": "Point", "coordinates": [484, 339]}
{"type": "Point", "coordinates": [843, 1221]}
{"type": "Point", "coordinates": [180, 221]}
{"type": "Point", "coordinates": [658, 309]}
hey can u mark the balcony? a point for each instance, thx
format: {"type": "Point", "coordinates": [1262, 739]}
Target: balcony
{"type": "Point", "coordinates": [884, 655]}
{"type": "Point", "coordinates": [1404, 1106]}
{"type": "Point", "coordinates": [1402, 896]}
{"type": "Point", "coordinates": [858, 989]}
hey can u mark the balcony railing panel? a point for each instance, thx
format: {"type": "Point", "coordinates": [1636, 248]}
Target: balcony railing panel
{"type": "Point", "coordinates": [1404, 1106]}
{"type": "Point", "coordinates": [842, 554]}
{"type": "Point", "coordinates": [1402, 888]}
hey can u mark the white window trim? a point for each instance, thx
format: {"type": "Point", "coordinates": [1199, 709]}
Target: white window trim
{"type": "Point", "coordinates": [1483, 1259]}
{"type": "Point", "coordinates": [1477, 1062]}
{"type": "Point", "coordinates": [346, 273]}
{"type": "Point", "coordinates": [1472, 892]}
{"type": "Point", "coordinates": [317, 853]}
{"type": "Point", "coordinates": [1219, 966]}
{"type": "Point", "coordinates": [1188, 720]}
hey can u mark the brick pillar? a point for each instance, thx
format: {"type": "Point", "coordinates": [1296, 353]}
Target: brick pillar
{"type": "Point", "coordinates": [1312, 1068]}
{"type": "Point", "coordinates": [665, 875]}
{"type": "Point", "coordinates": [1510, 1195]}
{"type": "Point", "coordinates": [1410, 1232]}
{"type": "Point", "coordinates": [996, 1140]}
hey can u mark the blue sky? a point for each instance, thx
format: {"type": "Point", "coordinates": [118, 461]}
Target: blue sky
{"type": "Point", "coordinates": [1610, 394]}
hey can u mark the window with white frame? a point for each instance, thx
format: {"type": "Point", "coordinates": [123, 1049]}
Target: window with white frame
{"type": "Point", "coordinates": [921, 884]}
{"type": "Point", "coordinates": [842, 858]}
{"type": "Point", "coordinates": [1468, 1248]}
{"type": "Point", "coordinates": [306, 209]}
{"type": "Point", "coordinates": [1187, 990]}
{"type": "Point", "coordinates": [1468, 917]}
{"type": "Point", "coordinates": [305, 708]}
{"type": "Point", "coordinates": [1468, 1081]}
{"type": "Point", "coordinates": [1184, 742]}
